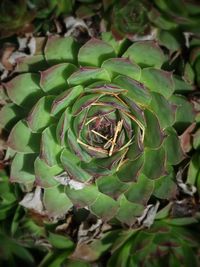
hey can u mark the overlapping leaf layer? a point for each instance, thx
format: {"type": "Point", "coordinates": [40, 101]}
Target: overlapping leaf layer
{"type": "Point", "coordinates": [93, 126]}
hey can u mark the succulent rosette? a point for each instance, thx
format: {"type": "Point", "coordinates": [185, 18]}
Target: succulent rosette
{"type": "Point", "coordinates": [130, 18]}
{"type": "Point", "coordinates": [163, 244]}
{"type": "Point", "coordinates": [92, 126]}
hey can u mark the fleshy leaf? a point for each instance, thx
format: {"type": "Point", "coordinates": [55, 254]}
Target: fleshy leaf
{"type": "Point", "coordinates": [155, 161]}
{"type": "Point", "coordinates": [118, 45]}
{"type": "Point", "coordinates": [128, 211]}
{"type": "Point", "coordinates": [50, 148]}
{"type": "Point", "coordinates": [137, 92]}
{"type": "Point", "coordinates": [54, 79]}
{"type": "Point", "coordinates": [31, 64]}
{"type": "Point", "coordinates": [62, 101]}
{"type": "Point", "coordinates": [184, 113]}
{"type": "Point", "coordinates": [60, 242]}
{"type": "Point", "coordinates": [76, 148]}
{"type": "Point", "coordinates": [172, 147]}
{"type": "Point", "coordinates": [169, 40]}
{"type": "Point", "coordinates": [83, 103]}
{"type": "Point", "coordinates": [165, 187]}
{"type": "Point", "coordinates": [22, 169]}
{"type": "Point", "coordinates": [140, 191]}
{"type": "Point", "coordinates": [21, 139]}
{"type": "Point", "coordinates": [83, 197]}
{"type": "Point", "coordinates": [60, 49]}
{"type": "Point", "coordinates": [56, 202]}
{"type": "Point", "coordinates": [111, 185]}
{"type": "Point", "coordinates": [153, 134]}
{"type": "Point", "coordinates": [134, 168]}
{"type": "Point", "coordinates": [122, 66]}
{"type": "Point", "coordinates": [9, 115]}
{"type": "Point", "coordinates": [145, 54]}
{"type": "Point", "coordinates": [62, 127]}
{"type": "Point", "coordinates": [40, 117]}
{"type": "Point", "coordinates": [158, 81]}
{"type": "Point", "coordinates": [88, 75]}
{"type": "Point", "coordinates": [71, 165]}
{"type": "Point", "coordinates": [196, 139]}
{"type": "Point", "coordinates": [193, 170]}
{"type": "Point", "coordinates": [24, 89]}
{"type": "Point", "coordinates": [102, 87]}
{"type": "Point", "coordinates": [164, 110]}
{"type": "Point", "coordinates": [94, 52]}
{"type": "Point", "coordinates": [45, 174]}
{"type": "Point", "coordinates": [104, 207]}
{"type": "Point", "coordinates": [182, 86]}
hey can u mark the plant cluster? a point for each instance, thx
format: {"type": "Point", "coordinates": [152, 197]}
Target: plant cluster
{"type": "Point", "coordinates": [102, 138]}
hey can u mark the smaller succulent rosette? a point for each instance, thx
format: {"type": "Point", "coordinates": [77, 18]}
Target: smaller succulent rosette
{"type": "Point", "coordinates": [92, 126]}
{"type": "Point", "coordinates": [130, 18]}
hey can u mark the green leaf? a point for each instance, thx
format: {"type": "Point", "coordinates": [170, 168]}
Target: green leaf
{"type": "Point", "coordinates": [184, 113]}
{"type": "Point", "coordinates": [70, 163]}
{"type": "Point", "coordinates": [24, 89]}
{"type": "Point", "coordinates": [145, 54]}
{"type": "Point", "coordinates": [61, 49]}
{"type": "Point", "coordinates": [164, 110]}
{"type": "Point", "coordinates": [55, 259]}
{"type": "Point", "coordinates": [134, 167]}
{"type": "Point", "coordinates": [40, 117]}
{"type": "Point", "coordinates": [62, 127]}
{"type": "Point", "coordinates": [21, 139]}
{"type": "Point", "coordinates": [128, 211]}
{"type": "Point", "coordinates": [181, 221]}
{"type": "Point", "coordinates": [196, 139]}
{"type": "Point", "coordinates": [10, 114]}
{"type": "Point", "coordinates": [22, 170]}
{"type": "Point", "coordinates": [121, 256]}
{"type": "Point", "coordinates": [45, 174]}
{"type": "Point", "coordinates": [56, 202]}
{"type": "Point", "coordinates": [111, 185]}
{"type": "Point", "coordinates": [94, 52]}
{"type": "Point", "coordinates": [181, 86]}
{"type": "Point", "coordinates": [74, 146]}
{"type": "Point", "coordinates": [103, 87]}
{"type": "Point", "coordinates": [60, 242]}
{"type": "Point", "coordinates": [153, 134]}
{"type": "Point", "coordinates": [118, 45]}
{"type": "Point", "coordinates": [136, 91]}
{"type": "Point", "coordinates": [50, 148]}
{"type": "Point", "coordinates": [31, 64]}
{"type": "Point", "coordinates": [88, 75]}
{"type": "Point", "coordinates": [83, 103]}
{"type": "Point", "coordinates": [172, 147]}
{"type": "Point", "coordinates": [83, 197]}
{"type": "Point", "coordinates": [165, 187]}
{"type": "Point", "coordinates": [158, 81]}
{"type": "Point", "coordinates": [123, 66]}
{"type": "Point", "coordinates": [164, 212]}
{"type": "Point", "coordinates": [194, 170]}
{"type": "Point", "coordinates": [104, 207]}
{"type": "Point", "coordinates": [54, 79]}
{"type": "Point", "coordinates": [65, 99]}
{"type": "Point", "coordinates": [141, 191]}
{"type": "Point", "coordinates": [169, 40]}
{"type": "Point", "coordinates": [154, 165]}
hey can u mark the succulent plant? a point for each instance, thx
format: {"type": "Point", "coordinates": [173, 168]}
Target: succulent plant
{"type": "Point", "coordinates": [27, 16]}
{"type": "Point", "coordinates": [163, 244]}
{"type": "Point", "coordinates": [14, 17]}
{"type": "Point", "coordinates": [92, 127]}
{"type": "Point", "coordinates": [130, 18]}
{"type": "Point", "coordinates": [182, 14]}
